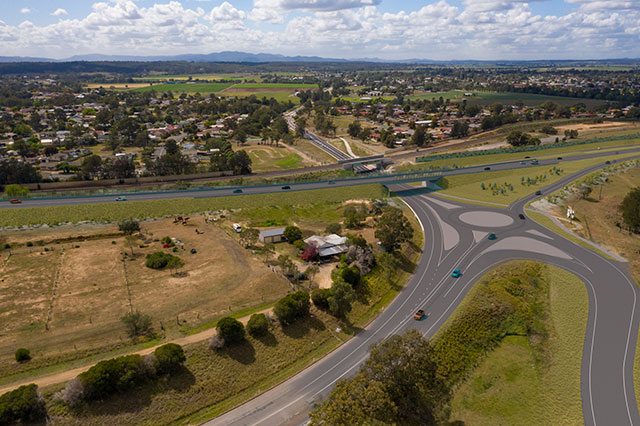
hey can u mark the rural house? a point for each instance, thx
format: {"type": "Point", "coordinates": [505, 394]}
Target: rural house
{"type": "Point", "coordinates": [330, 245]}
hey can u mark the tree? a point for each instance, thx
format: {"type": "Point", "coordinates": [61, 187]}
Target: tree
{"type": "Point", "coordinates": [291, 307]}
{"type": "Point", "coordinates": [585, 191]}
{"type": "Point", "coordinates": [398, 384]}
{"type": "Point", "coordinates": [137, 324]}
{"type": "Point", "coordinates": [517, 138]}
{"type": "Point", "coordinates": [129, 226]}
{"type": "Point", "coordinates": [91, 166]}
{"type": "Point", "coordinates": [389, 264]}
{"type": "Point", "coordinates": [362, 257]}
{"type": "Point", "coordinates": [22, 406]}
{"type": "Point", "coordinates": [15, 190]}
{"type": "Point", "coordinates": [158, 260]}
{"type": "Point", "coordinates": [460, 129]}
{"type": "Point", "coordinates": [320, 298]}
{"type": "Point", "coordinates": [292, 233]}
{"type": "Point", "coordinates": [354, 129]}
{"type": "Point", "coordinates": [333, 228]}
{"type": "Point", "coordinates": [258, 325]}
{"type": "Point", "coordinates": [114, 375]}
{"type": "Point", "coordinates": [393, 229]}
{"type": "Point", "coordinates": [631, 209]}
{"type": "Point", "coordinates": [231, 330]}
{"type": "Point", "coordinates": [309, 253]}
{"type": "Point", "coordinates": [174, 264]}
{"type": "Point", "coordinates": [169, 358]}
{"type": "Point", "coordinates": [131, 241]}
{"type": "Point", "coordinates": [22, 355]}
{"type": "Point", "coordinates": [419, 137]}
{"type": "Point", "coordinates": [340, 298]}
{"type": "Point", "coordinates": [301, 125]}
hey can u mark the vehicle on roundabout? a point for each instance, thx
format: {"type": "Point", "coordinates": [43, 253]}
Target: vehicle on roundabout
{"type": "Point", "coordinates": [419, 315]}
{"type": "Point", "coordinates": [121, 198]}
{"type": "Point", "coordinates": [492, 236]}
{"type": "Point", "coordinates": [521, 216]}
{"type": "Point", "coordinates": [456, 273]}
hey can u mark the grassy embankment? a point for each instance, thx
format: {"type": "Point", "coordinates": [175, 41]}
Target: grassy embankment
{"type": "Point", "coordinates": [266, 158]}
{"type": "Point", "coordinates": [509, 183]}
{"type": "Point", "coordinates": [111, 212]}
{"type": "Point", "coordinates": [513, 347]}
{"type": "Point", "coordinates": [216, 381]}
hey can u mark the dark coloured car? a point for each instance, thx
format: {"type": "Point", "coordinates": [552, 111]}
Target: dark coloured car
{"type": "Point", "coordinates": [538, 192]}
{"type": "Point", "coordinates": [331, 182]}
{"type": "Point", "coordinates": [492, 236]}
{"type": "Point", "coordinates": [527, 157]}
{"type": "Point", "coordinates": [521, 216]}
{"type": "Point", "coordinates": [237, 191]}
{"type": "Point", "coordinates": [286, 187]}
{"type": "Point", "coordinates": [487, 168]}
{"type": "Point", "coordinates": [607, 162]}
{"type": "Point", "coordinates": [559, 158]}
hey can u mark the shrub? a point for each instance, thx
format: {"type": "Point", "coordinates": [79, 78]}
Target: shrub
{"type": "Point", "coordinates": [23, 355]}
{"type": "Point", "coordinates": [333, 228]}
{"type": "Point", "coordinates": [216, 342]}
{"type": "Point", "coordinates": [292, 306]}
{"type": "Point", "coordinates": [158, 260]}
{"type": "Point", "coordinates": [350, 275]}
{"type": "Point", "coordinates": [166, 240]}
{"type": "Point", "coordinates": [258, 325]}
{"type": "Point", "coordinates": [137, 324]}
{"type": "Point", "coordinates": [320, 298]}
{"type": "Point", "coordinates": [300, 245]}
{"type": "Point", "coordinates": [231, 330]}
{"type": "Point", "coordinates": [29, 244]}
{"type": "Point", "coordinates": [169, 358]}
{"type": "Point", "coordinates": [129, 226]}
{"type": "Point", "coordinates": [114, 375]}
{"type": "Point", "coordinates": [73, 393]}
{"type": "Point", "coordinates": [310, 253]}
{"type": "Point", "coordinates": [22, 405]}
{"type": "Point", "coordinates": [292, 233]}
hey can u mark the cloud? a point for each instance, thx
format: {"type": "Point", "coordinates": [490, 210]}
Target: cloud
{"type": "Point", "coordinates": [226, 12]}
{"type": "Point", "coordinates": [60, 12]}
{"type": "Point", "coordinates": [596, 5]}
{"type": "Point", "coordinates": [25, 10]}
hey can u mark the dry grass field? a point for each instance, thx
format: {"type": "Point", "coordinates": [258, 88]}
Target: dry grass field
{"type": "Point", "coordinates": [79, 311]}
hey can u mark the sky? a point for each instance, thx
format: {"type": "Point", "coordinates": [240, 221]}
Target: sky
{"type": "Point", "coordinates": [351, 29]}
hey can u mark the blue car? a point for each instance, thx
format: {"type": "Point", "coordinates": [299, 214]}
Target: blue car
{"type": "Point", "coordinates": [456, 273]}
{"type": "Point", "coordinates": [492, 236]}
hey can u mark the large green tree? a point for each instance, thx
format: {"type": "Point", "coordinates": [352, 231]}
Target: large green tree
{"type": "Point", "coordinates": [631, 209]}
{"type": "Point", "coordinates": [393, 229]}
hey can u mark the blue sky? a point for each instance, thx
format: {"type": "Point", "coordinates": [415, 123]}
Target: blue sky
{"type": "Point", "coordinates": [430, 29]}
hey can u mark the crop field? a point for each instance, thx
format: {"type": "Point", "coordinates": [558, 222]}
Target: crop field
{"type": "Point", "coordinates": [279, 95]}
{"type": "Point", "coordinates": [266, 158]}
{"type": "Point", "coordinates": [270, 87]}
{"type": "Point", "coordinates": [186, 88]}
{"type": "Point", "coordinates": [452, 95]}
{"type": "Point", "coordinates": [529, 99]}
{"type": "Point", "coordinates": [184, 77]}
{"type": "Point", "coordinates": [509, 183]}
{"type": "Point", "coordinates": [113, 212]}
{"type": "Point", "coordinates": [520, 384]}
{"type": "Point", "coordinates": [61, 300]}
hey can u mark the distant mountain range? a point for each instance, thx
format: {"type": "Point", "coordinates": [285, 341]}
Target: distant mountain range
{"type": "Point", "coordinates": [231, 56]}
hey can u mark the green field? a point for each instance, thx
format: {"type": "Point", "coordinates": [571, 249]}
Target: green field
{"type": "Point", "coordinates": [243, 86]}
{"type": "Point", "coordinates": [111, 212]}
{"type": "Point", "coordinates": [521, 381]}
{"type": "Point", "coordinates": [488, 98]}
{"type": "Point", "coordinates": [452, 95]}
{"type": "Point", "coordinates": [266, 158]}
{"type": "Point", "coordinates": [215, 76]}
{"type": "Point", "coordinates": [185, 88]}
{"type": "Point", "coordinates": [469, 186]}
{"type": "Point", "coordinates": [277, 95]}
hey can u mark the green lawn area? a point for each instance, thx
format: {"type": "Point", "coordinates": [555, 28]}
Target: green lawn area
{"type": "Point", "coordinates": [243, 86]}
{"type": "Point", "coordinates": [452, 95]}
{"type": "Point", "coordinates": [178, 88]}
{"type": "Point", "coordinates": [522, 384]}
{"type": "Point", "coordinates": [469, 186]}
{"type": "Point", "coordinates": [111, 212]}
{"type": "Point", "coordinates": [266, 158]}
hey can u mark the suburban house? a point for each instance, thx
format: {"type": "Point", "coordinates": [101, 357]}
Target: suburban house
{"type": "Point", "coordinates": [330, 245]}
{"type": "Point", "coordinates": [271, 236]}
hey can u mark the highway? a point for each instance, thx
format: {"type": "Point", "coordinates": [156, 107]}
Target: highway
{"type": "Point", "coordinates": [384, 179]}
{"type": "Point", "coordinates": [456, 237]}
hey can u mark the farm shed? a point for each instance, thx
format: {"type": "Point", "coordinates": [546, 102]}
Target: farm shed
{"type": "Point", "coordinates": [272, 236]}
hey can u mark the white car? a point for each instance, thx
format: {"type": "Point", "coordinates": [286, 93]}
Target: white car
{"type": "Point", "coordinates": [121, 198]}
{"type": "Point", "coordinates": [237, 228]}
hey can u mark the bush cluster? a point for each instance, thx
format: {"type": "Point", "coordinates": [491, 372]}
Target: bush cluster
{"type": "Point", "coordinates": [230, 330]}
{"type": "Point", "coordinates": [23, 355]}
{"type": "Point", "coordinates": [258, 325]}
{"type": "Point", "coordinates": [292, 306]}
{"type": "Point", "coordinates": [159, 260]}
{"type": "Point", "coordinates": [22, 405]}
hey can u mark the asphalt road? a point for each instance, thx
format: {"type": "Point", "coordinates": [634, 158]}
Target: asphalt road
{"type": "Point", "coordinates": [456, 237]}
{"type": "Point", "coordinates": [381, 179]}
{"type": "Point", "coordinates": [326, 146]}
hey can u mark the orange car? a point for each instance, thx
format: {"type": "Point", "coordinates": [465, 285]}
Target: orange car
{"type": "Point", "coordinates": [15, 201]}
{"type": "Point", "coordinates": [419, 315]}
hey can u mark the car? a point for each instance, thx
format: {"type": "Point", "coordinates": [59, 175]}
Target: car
{"type": "Point", "coordinates": [331, 182]}
{"type": "Point", "coordinates": [607, 162]}
{"type": "Point", "coordinates": [456, 273]}
{"type": "Point", "coordinates": [487, 168]}
{"type": "Point", "coordinates": [193, 251]}
{"type": "Point", "coordinates": [237, 191]}
{"type": "Point", "coordinates": [286, 187]}
{"type": "Point", "coordinates": [559, 158]}
{"type": "Point", "coordinates": [522, 163]}
{"type": "Point", "coordinates": [15, 201]}
{"type": "Point", "coordinates": [521, 216]}
{"type": "Point", "coordinates": [121, 198]}
{"type": "Point", "coordinates": [538, 192]}
{"type": "Point", "coordinates": [492, 236]}
{"type": "Point", "coordinates": [527, 157]}
{"type": "Point", "coordinates": [534, 161]}
{"type": "Point", "coordinates": [419, 315]}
